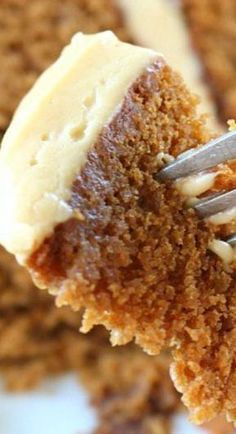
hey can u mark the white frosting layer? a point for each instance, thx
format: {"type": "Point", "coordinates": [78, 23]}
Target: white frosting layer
{"type": "Point", "coordinates": [224, 250]}
{"type": "Point", "coordinates": [224, 217]}
{"type": "Point", "coordinates": [195, 185]}
{"type": "Point", "coordinates": [159, 24]}
{"type": "Point", "coordinates": [192, 187]}
{"type": "Point", "coordinates": [52, 131]}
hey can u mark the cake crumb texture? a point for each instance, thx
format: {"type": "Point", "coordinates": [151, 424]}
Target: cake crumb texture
{"type": "Point", "coordinates": [139, 261]}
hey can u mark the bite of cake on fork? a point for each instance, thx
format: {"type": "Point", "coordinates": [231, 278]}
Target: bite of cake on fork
{"type": "Point", "coordinates": [87, 207]}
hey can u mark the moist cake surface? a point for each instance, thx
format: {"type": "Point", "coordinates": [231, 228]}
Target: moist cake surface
{"type": "Point", "coordinates": [136, 257]}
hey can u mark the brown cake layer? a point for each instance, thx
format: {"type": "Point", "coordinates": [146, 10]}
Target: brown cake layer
{"type": "Point", "coordinates": [33, 33]}
{"type": "Point", "coordinates": [136, 258]}
{"type": "Point", "coordinates": [212, 26]}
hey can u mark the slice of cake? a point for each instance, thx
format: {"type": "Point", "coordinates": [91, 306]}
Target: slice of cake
{"type": "Point", "coordinates": [82, 209]}
{"type": "Point", "coordinates": [27, 49]}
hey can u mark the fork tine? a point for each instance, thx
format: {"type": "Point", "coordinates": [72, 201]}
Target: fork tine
{"type": "Point", "coordinates": [215, 152]}
{"type": "Point", "coordinates": [232, 240]}
{"type": "Point", "coordinates": [216, 204]}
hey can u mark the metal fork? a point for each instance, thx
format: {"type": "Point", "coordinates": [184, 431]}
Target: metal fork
{"type": "Point", "coordinates": [192, 162]}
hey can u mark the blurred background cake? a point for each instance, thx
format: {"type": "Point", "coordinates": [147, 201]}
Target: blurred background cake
{"type": "Point", "coordinates": [33, 33]}
{"type": "Point", "coordinates": [198, 39]}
